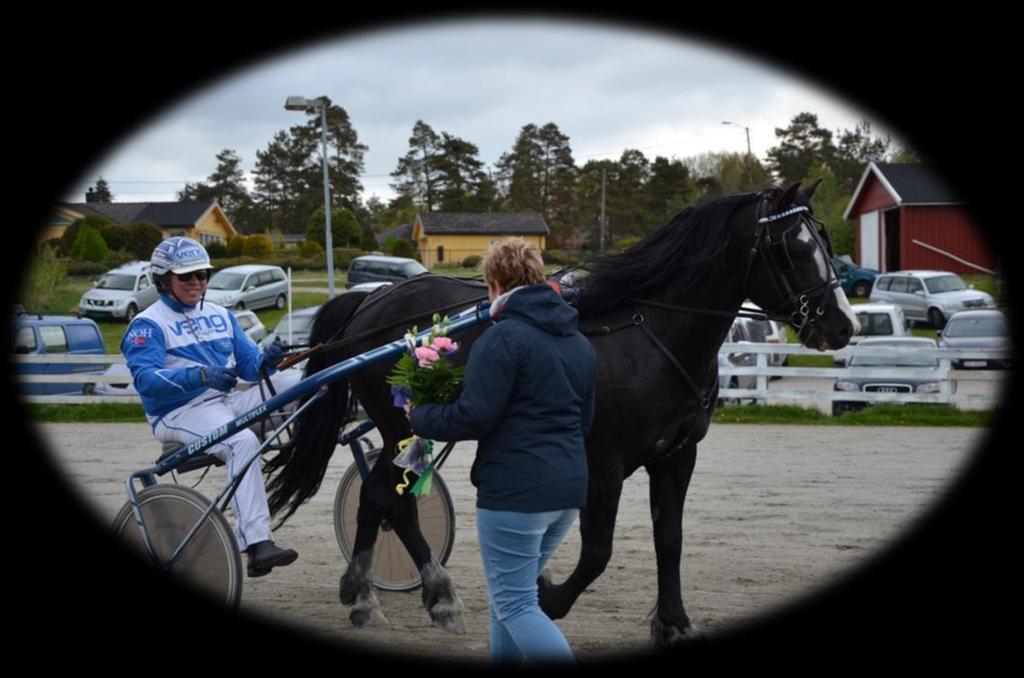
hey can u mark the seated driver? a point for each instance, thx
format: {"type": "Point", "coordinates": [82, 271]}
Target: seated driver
{"type": "Point", "coordinates": [185, 357]}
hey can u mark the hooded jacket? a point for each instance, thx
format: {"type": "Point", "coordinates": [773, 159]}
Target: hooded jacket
{"type": "Point", "coordinates": [528, 398]}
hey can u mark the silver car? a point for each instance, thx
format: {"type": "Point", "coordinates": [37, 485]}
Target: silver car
{"type": "Point", "coordinates": [928, 296]}
{"type": "Point", "coordinates": [120, 293]}
{"type": "Point", "coordinates": [987, 329]}
{"type": "Point", "coordinates": [248, 287]}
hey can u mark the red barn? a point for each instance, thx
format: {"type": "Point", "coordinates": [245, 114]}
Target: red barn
{"type": "Point", "coordinates": [908, 218]}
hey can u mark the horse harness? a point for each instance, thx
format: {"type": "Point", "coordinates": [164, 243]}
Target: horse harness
{"type": "Point", "coordinates": [781, 263]}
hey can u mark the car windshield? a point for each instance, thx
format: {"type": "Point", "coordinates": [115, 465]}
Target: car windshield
{"type": "Point", "coordinates": [946, 283]}
{"type": "Point", "coordinates": [904, 356]}
{"type": "Point", "coordinates": [225, 281]}
{"type": "Point", "coordinates": [116, 281]}
{"type": "Point", "coordinates": [414, 268]}
{"type": "Point", "coordinates": [992, 326]}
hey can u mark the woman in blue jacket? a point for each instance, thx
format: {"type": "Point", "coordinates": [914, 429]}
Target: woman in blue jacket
{"type": "Point", "coordinates": [528, 398]}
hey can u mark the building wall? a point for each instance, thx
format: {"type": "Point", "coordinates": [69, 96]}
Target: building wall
{"type": "Point", "coordinates": [458, 247]}
{"type": "Point", "coordinates": [950, 228]}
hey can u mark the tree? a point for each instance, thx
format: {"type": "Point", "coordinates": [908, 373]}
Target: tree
{"type": "Point", "coordinates": [856, 149]}
{"type": "Point", "coordinates": [115, 235]}
{"type": "Point", "coordinates": [669, 189]}
{"type": "Point", "coordinates": [143, 237]}
{"type": "Point", "coordinates": [344, 152]}
{"type": "Point", "coordinates": [345, 228]}
{"type": "Point", "coordinates": [830, 202]}
{"type": "Point", "coordinates": [417, 173]}
{"type": "Point", "coordinates": [461, 177]}
{"type": "Point", "coordinates": [226, 185]}
{"type": "Point", "coordinates": [802, 145]}
{"type": "Point", "coordinates": [100, 193]}
{"type": "Point", "coordinates": [67, 239]}
{"type": "Point", "coordinates": [89, 245]}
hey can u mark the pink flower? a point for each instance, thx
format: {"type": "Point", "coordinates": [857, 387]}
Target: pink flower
{"type": "Point", "coordinates": [445, 345]}
{"type": "Point", "coordinates": [426, 355]}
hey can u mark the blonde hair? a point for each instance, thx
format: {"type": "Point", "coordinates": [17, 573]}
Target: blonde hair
{"type": "Point", "coordinates": [512, 262]}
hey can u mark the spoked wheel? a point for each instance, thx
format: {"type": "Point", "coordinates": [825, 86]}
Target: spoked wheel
{"type": "Point", "coordinates": [211, 562]}
{"type": "Point", "coordinates": [393, 568]}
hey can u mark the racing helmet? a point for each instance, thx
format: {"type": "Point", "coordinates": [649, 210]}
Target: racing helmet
{"type": "Point", "coordinates": [179, 255]}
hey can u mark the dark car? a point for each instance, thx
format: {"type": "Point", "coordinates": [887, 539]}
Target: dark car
{"type": "Point", "coordinates": [299, 322]}
{"type": "Point", "coordinates": [375, 268]}
{"type": "Point", "coordinates": [907, 356]}
{"type": "Point", "coordinates": [856, 281]}
{"type": "Point", "coordinates": [977, 329]}
{"type": "Point", "coordinates": [56, 335]}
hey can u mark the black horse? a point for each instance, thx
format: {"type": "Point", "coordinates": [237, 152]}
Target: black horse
{"type": "Point", "coordinates": [657, 315]}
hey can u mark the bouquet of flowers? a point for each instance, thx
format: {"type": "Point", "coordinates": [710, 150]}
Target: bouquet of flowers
{"type": "Point", "coordinates": [423, 375]}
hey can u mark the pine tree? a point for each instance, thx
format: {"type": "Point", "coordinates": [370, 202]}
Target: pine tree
{"type": "Point", "coordinates": [417, 173]}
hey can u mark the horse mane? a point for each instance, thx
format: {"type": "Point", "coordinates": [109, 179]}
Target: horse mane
{"type": "Point", "coordinates": [685, 252]}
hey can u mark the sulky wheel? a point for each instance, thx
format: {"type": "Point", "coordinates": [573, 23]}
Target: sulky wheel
{"type": "Point", "coordinates": [393, 568]}
{"type": "Point", "coordinates": [211, 562]}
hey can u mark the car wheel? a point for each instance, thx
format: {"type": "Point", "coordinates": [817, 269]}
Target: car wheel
{"type": "Point", "coordinates": [935, 317]}
{"type": "Point", "coordinates": [240, 306]}
{"type": "Point", "coordinates": [132, 311]}
{"type": "Point", "coordinates": [281, 301]}
{"type": "Point", "coordinates": [861, 289]}
{"type": "Point", "coordinates": [837, 409]}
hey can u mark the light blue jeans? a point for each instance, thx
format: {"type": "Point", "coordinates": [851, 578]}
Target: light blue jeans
{"type": "Point", "coordinates": [514, 548]}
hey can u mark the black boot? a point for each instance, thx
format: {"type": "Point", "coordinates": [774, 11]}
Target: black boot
{"type": "Point", "coordinates": [265, 556]}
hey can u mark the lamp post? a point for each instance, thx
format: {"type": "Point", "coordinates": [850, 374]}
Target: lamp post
{"type": "Point", "coordinates": [747, 129]}
{"type": "Point", "coordinates": [304, 104]}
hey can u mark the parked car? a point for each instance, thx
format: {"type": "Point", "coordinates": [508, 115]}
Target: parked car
{"type": "Point", "coordinates": [977, 329]}
{"type": "Point", "coordinates": [928, 296]}
{"type": "Point", "coordinates": [766, 331]}
{"type": "Point", "coordinates": [856, 281]}
{"type": "Point", "coordinates": [251, 325]}
{"type": "Point", "coordinates": [56, 335]}
{"type": "Point", "coordinates": [120, 293]}
{"type": "Point", "coordinates": [876, 320]}
{"type": "Point", "coordinates": [907, 356]}
{"type": "Point", "coordinates": [299, 321]}
{"type": "Point", "coordinates": [739, 333]}
{"type": "Point", "coordinates": [368, 286]}
{"type": "Point", "coordinates": [249, 287]}
{"type": "Point", "coordinates": [376, 268]}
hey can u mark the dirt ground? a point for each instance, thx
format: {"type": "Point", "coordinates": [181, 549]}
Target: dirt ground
{"type": "Point", "coordinates": [773, 513]}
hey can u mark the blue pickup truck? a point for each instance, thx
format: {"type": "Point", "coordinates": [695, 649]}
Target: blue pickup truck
{"type": "Point", "coordinates": [856, 281]}
{"type": "Point", "coordinates": [56, 335]}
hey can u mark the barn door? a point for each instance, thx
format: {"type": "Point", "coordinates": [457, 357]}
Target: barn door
{"type": "Point", "coordinates": [869, 241]}
{"type": "Point", "coordinates": [893, 259]}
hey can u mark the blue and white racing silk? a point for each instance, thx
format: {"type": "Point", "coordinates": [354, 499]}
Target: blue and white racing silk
{"type": "Point", "coordinates": [167, 339]}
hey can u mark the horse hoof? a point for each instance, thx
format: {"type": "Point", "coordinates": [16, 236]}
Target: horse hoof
{"type": "Point", "coordinates": [368, 618]}
{"type": "Point", "coordinates": [671, 634]}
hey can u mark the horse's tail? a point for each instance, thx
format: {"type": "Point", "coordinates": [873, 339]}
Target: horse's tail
{"type": "Point", "coordinates": [295, 474]}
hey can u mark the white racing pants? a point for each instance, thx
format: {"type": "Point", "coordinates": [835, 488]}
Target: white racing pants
{"type": "Point", "coordinates": [197, 418]}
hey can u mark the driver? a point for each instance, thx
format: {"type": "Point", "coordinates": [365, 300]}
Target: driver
{"type": "Point", "coordinates": [185, 358]}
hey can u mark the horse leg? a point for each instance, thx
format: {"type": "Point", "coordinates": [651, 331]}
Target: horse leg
{"type": "Point", "coordinates": [439, 598]}
{"type": "Point", "coordinates": [356, 586]}
{"type": "Point", "coordinates": [669, 480]}
{"type": "Point", "coordinates": [597, 531]}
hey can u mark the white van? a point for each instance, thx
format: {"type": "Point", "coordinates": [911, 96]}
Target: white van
{"type": "Point", "coordinates": [876, 320]}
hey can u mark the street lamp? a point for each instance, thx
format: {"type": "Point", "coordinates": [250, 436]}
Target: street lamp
{"type": "Point", "coordinates": [742, 127]}
{"type": "Point", "coordinates": [304, 104]}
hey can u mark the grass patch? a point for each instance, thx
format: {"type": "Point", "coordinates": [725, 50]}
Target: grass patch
{"type": "Point", "coordinates": [107, 413]}
{"type": "Point", "coordinates": [877, 415]}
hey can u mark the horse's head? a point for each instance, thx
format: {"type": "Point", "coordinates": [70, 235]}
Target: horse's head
{"type": "Point", "coordinates": [791, 274]}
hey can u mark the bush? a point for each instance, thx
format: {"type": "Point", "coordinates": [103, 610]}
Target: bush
{"type": "Point", "coordinates": [143, 237]}
{"type": "Point", "coordinates": [343, 256]}
{"type": "Point", "coordinates": [67, 239]}
{"type": "Point", "coordinates": [115, 235]}
{"type": "Point", "coordinates": [472, 261]}
{"type": "Point", "coordinates": [404, 248]}
{"type": "Point", "coordinates": [236, 244]}
{"type": "Point", "coordinates": [258, 246]}
{"type": "Point", "coordinates": [45, 278]}
{"type": "Point", "coordinates": [308, 248]}
{"type": "Point", "coordinates": [216, 249]}
{"type": "Point", "coordinates": [89, 245]}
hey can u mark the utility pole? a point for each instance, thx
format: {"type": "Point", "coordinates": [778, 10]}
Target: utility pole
{"type": "Point", "coordinates": [601, 219]}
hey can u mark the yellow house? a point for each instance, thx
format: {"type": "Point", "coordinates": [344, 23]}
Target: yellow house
{"type": "Point", "coordinates": [450, 237]}
{"type": "Point", "coordinates": [205, 221]}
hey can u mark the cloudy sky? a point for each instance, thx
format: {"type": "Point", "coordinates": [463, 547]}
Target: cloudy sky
{"type": "Point", "coordinates": [608, 88]}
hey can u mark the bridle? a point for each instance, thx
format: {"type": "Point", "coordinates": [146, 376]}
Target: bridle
{"type": "Point", "coordinates": [802, 308]}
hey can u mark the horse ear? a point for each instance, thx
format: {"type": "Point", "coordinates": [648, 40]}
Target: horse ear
{"type": "Point", "coordinates": [786, 199]}
{"type": "Point", "coordinates": [809, 193]}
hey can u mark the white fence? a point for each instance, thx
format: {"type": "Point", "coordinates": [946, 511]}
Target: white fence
{"type": "Point", "coordinates": [947, 377]}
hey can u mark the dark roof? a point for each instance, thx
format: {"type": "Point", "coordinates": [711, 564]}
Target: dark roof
{"type": "Point", "coordinates": [916, 184]}
{"type": "Point", "coordinates": [528, 223]}
{"type": "Point", "coordinates": [163, 214]}
{"type": "Point", "coordinates": [403, 231]}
